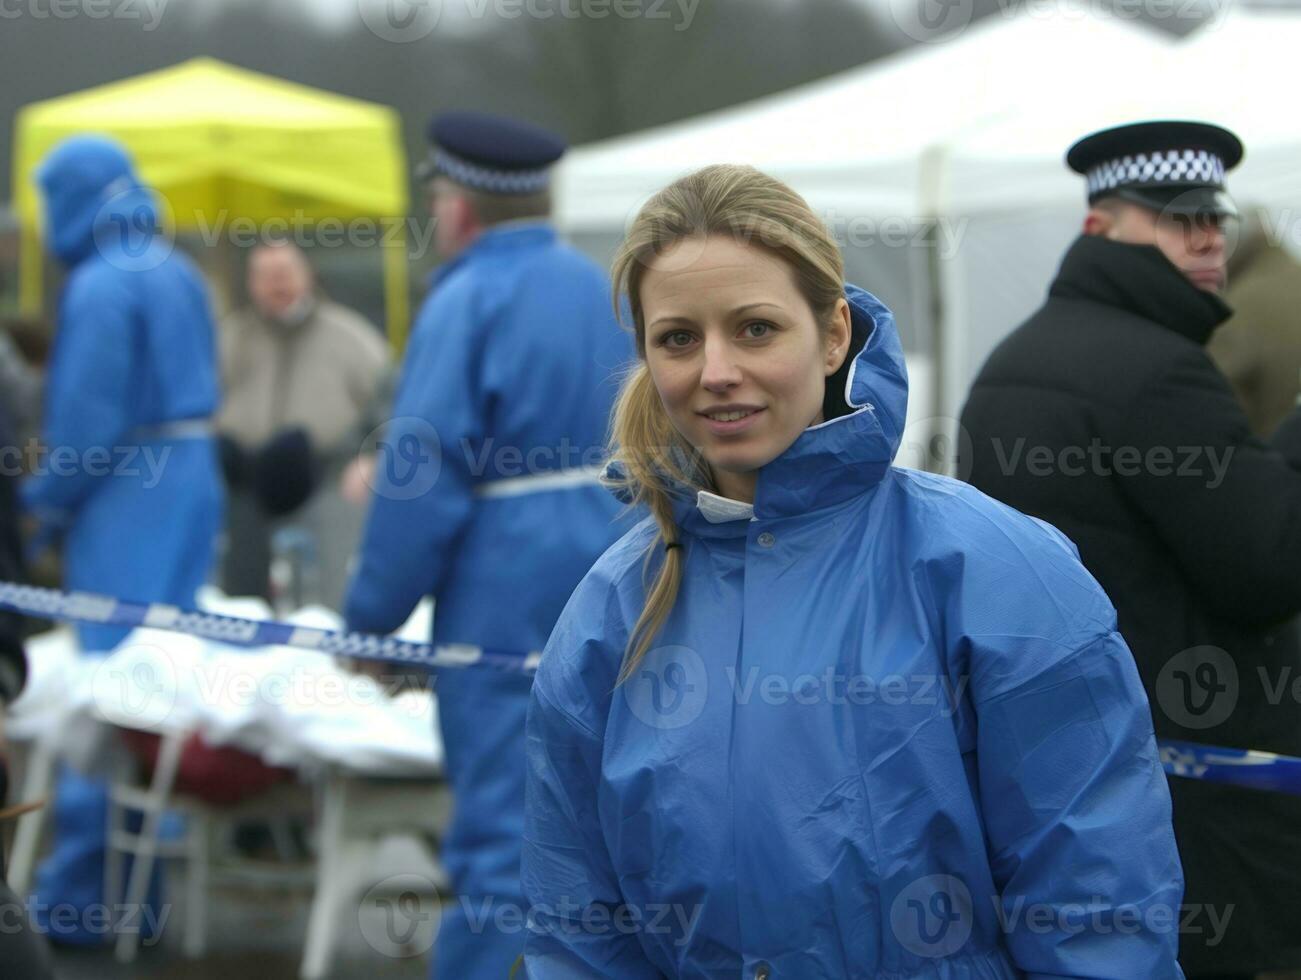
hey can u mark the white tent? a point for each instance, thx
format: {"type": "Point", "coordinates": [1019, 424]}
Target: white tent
{"type": "Point", "coordinates": [872, 149]}
{"type": "Point", "coordinates": [1234, 71]}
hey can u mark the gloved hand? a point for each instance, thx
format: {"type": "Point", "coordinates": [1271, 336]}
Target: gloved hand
{"type": "Point", "coordinates": [285, 472]}
{"type": "Point", "coordinates": [235, 461]}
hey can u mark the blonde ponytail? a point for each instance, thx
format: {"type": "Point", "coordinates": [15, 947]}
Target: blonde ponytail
{"type": "Point", "coordinates": [653, 454]}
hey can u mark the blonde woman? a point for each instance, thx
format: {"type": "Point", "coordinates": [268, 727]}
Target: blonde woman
{"type": "Point", "coordinates": [819, 716]}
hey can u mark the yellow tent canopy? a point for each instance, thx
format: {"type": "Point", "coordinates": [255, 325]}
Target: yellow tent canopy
{"type": "Point", "coordinates": [220, 143]}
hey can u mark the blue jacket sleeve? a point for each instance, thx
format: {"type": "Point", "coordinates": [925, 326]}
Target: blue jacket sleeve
{"type": "Point", "coordinates": [1078, 815]}
{"type": "Point", "coordinates": [89, 392]}
{"type": "Point", "coordinates": [424, 486]}
{"type": "Point", "coordinates": [576, 928]}
{"type": "Point", "coordinates": [1075, 803]}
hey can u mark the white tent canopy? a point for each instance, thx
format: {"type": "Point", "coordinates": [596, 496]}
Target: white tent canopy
{"type": "Point", "coordinates": [1020, 207]}
{"type": "Point", "coordinates": [863, 138]}
{"type": "Point", "coordinates": [1237, 71]}
{"type": "Point", "coordinates": [876, 145]}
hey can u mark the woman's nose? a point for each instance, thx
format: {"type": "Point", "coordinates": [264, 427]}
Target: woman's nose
{"type": "Point", "coordinates": [721, 370]}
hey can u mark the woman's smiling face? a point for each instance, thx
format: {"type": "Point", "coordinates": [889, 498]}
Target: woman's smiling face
{"type": "Point", "coordinates": [736, 353]}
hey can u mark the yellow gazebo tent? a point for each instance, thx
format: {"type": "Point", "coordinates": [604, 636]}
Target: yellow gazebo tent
{"type": "Point", "coordinates": [220, 143]}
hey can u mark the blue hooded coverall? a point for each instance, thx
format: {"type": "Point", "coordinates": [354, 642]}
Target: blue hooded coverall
{"type": "Point", "coordinates": [505, 393]}
{"type": "Point", "coordinates": [131, 479]}
{"type": "Point", "coordinates": [888, 731]}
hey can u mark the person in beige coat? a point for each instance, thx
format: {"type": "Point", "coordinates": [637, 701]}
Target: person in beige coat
{"type": "Point", "coordinates": [299, 374]}
{"type": "Point", "coordinates": [1259, 348]}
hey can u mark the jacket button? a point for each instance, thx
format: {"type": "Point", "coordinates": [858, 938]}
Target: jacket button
{"type": "Point", "coordinates": [766, 540]}
{"type": "Point", "coordinates": [762, 971]}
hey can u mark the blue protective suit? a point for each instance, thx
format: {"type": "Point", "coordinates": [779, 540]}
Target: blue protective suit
{"type": "Point", "coordinates": [888, 731]}
{"type": "Point", "coordinates": [130, 478]}
{"type": "Point", "coordinates": [509, 377]}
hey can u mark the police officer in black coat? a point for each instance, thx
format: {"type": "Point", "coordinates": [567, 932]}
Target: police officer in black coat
{"type": "Point", "coordinates": [1103, 415]}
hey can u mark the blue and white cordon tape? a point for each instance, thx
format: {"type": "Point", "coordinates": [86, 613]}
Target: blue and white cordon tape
{"type": "Point", "coordinates": [1237, 767]}
{"type": "Point", "coordinates": [87, 607]}
{"type": "Point", "coordinates": [1191, 760]}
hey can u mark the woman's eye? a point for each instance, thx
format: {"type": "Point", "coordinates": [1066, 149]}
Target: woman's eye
{"type": "Point", "coordinates": [678, 338]}
{"type": "Point", "coordinates": [757, 329]}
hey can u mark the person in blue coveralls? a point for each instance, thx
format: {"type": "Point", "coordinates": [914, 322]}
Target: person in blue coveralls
{"type": "Point", "coordinates": [486, 492]}
{"type": "Point", "coordinates": [128, 477]}
{"type": "Point", "coordinates": [853, 721]}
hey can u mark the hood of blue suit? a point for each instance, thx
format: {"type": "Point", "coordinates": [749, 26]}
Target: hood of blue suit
{"type": "Point", "coordinates": [90, 188]}
{"type": "Point", "coordinates": [841, 457]}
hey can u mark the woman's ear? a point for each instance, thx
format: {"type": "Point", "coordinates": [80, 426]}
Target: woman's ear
{"type": "Point", "coordinates": [838, 335]}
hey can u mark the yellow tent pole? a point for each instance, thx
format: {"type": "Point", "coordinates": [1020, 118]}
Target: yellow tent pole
{"type": "Point", "coordinates": [395, 285]}
{"type": "Point", "coordinates": [31, 283]}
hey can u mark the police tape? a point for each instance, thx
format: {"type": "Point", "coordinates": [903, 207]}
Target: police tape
{"type": "Point", "coordinates": [1237, 767]}
{"type": "Point", "coordinates": [103, 610]}
{"type": "Point", "coordinates": [1190, 760]}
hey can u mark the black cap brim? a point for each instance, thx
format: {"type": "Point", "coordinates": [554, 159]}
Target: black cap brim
{"type": "Point", "coordinates": [1192, 201]}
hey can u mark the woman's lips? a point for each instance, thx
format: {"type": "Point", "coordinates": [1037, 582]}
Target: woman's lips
{"type": "Point", "coordinates": [728, 428]}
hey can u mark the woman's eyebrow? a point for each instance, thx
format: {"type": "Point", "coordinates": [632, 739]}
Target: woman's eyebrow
{"type": "Point", "coordinates": [751, 306]}
{"type": "Point", "coordinates": [733, 312]}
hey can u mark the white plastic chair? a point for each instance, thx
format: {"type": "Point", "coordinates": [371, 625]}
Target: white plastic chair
{"type": "Point", "coordinates": [207, 828]}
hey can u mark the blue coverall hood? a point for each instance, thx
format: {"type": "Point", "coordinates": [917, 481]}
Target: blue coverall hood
{"type": "Point", "coordinates": [90, 188]}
